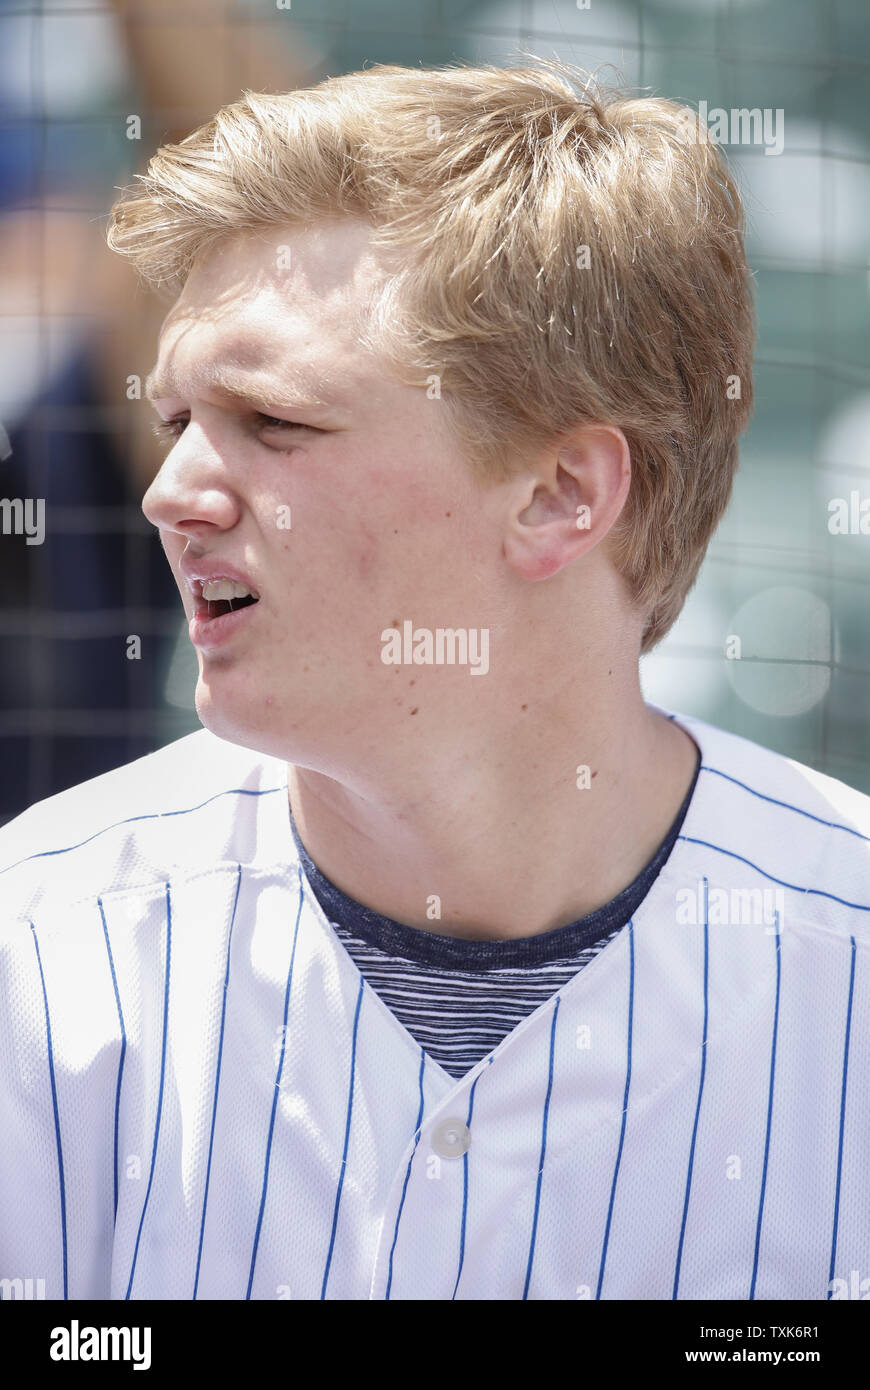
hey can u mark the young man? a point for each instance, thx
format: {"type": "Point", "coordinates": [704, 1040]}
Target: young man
{"type": "Point", "coordinates": [439, 965]}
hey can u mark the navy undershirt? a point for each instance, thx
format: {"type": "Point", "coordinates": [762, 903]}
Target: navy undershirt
{"type": "Point", "coordinates": [458, 997]}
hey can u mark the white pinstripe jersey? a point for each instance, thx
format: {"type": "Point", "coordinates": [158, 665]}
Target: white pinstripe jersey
{"type": "Point", "coordinates": [200, 1097]}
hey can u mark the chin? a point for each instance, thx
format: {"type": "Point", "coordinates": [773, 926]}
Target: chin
{"type": "Point", "coordinates": [236, 718]}
{"type": "Point", "coordinates": [229, 719]}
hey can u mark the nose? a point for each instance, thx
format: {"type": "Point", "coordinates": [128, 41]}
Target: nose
{"type": "Point", "coordinates": [191, 492]}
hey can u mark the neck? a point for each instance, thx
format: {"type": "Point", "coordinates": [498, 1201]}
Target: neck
{"type": "Point", "coordinates": [493, 825]}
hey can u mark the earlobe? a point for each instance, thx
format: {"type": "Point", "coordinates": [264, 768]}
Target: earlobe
{"type": "Point", "coordinates": [531, 557]}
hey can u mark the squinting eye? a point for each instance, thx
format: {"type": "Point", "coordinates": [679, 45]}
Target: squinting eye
{"type": "Point", "coordinates": [273, 423]}
{"type": "Point", "coordinates": [173, 429]}
{"type": "Point", "coordinates": [168, 429]}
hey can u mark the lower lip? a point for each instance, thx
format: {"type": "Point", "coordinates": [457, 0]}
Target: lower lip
{"type": "Point", "coordinates": [207, 633]}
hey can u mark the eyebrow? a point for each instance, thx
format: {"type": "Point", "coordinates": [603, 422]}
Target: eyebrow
{"type": "Point", "coordinates": [244, 386]}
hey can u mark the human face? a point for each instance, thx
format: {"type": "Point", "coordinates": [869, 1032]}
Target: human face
{"type": "Point", "coordinates": [301, 469]}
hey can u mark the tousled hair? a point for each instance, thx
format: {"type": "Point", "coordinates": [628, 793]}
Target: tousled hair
{"type": "Point", "coordinates": [557, 255]}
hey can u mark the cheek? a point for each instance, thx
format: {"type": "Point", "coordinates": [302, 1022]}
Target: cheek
{"type": "Point", "coordinates": [404, 551]}
{"type": "Point", "coordinates": [357, 532]}
{"type": "Point", "coordinates": [379, 532]}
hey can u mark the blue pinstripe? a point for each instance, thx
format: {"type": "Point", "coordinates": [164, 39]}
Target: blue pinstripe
{"type": "Point", "coordinates": [786, 805]}
{"type": "Point", "coordinates": [769, 1113]}
{"type": "Point", "coordinates": [246, 792]}
{"type": "Point", "coordinates": [407, 1175]}
{"type": "Point", "coordinates": [346, 1137]}
{"type": "Point", "coordinates": [268, 791]}
{"type": "Point", "coordinates": [275, 1095]}
{"type": "Point", "coordinates": [842, 1115]}
{"type": "Point", "coordinates": [543, 1150]}
{"type": "Point", "coordinates": [151, 815]}
{"type": "Point", "coordinates": [217, 1081]}
{"type": "Point", "coordinates": [700, 1091]}
{"type": "Point", "coordinates": [465, 1182]}
{"type": "Point", "coordinates": [123, 1050]}
{"type": "Point", "coordinates": [160, 1092]}
{"type": "Point", "coordinates": [816, 892]}
{"type": "Point", "coordinates": [624, 1108]}
{"type": "Point", "coordinates": [56, 1116]}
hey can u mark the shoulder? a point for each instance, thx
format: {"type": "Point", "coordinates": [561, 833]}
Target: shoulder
{"type": "Point", "coordinates": [800, 829]}
{"type": "Point", "coordinates": [196, 802]}
{"type": "Point", "coordinates": [777, 780]}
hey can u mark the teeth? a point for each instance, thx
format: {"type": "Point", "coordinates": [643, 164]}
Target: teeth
{"type": "Point", "coordinates": [214, 589]}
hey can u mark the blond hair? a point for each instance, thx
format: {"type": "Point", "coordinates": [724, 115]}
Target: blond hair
{"type": "Point", "coordinates": [562, 255]}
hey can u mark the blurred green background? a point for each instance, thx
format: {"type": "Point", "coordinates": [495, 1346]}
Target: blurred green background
{"type": "Point", "coordinates": [793, 593]}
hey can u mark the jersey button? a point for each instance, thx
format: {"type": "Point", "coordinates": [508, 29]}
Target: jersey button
{"type": "Point", "coordinates": [451, 1138]}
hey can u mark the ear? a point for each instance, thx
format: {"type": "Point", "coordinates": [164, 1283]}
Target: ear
{"type": "Point", "coordinates": [568, 503]}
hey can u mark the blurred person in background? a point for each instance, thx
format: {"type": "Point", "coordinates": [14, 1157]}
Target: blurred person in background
{"type": "Point", "coordinates": [78, 691]}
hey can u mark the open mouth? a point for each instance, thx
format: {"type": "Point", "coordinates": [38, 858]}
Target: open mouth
{"type": "Point", "coordinates": [217, 597]}
{"type": "Point", "coordinates": [218, 607]}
